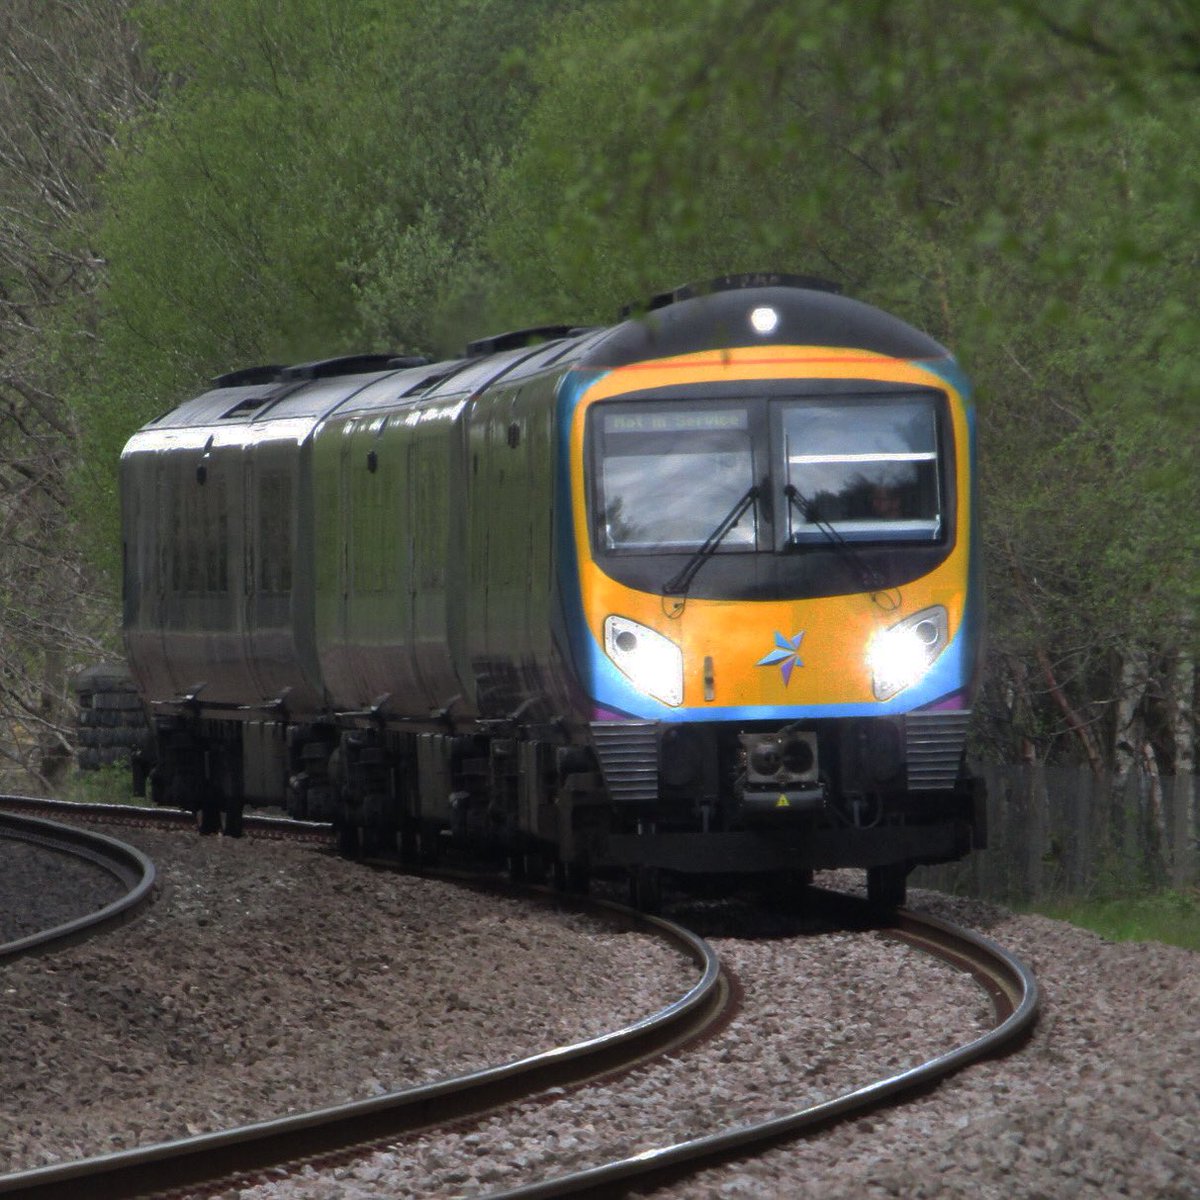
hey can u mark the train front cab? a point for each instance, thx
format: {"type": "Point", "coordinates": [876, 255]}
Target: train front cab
{"type": "Point", "coordinates": [778, 610]}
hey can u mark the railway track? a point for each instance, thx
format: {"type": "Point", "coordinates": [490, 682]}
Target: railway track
{"type": "Point", "coordinates": [132, 870]}
{"type": "Point", "coordinates": [359, 1125]}
{"type": "Point", "coordinates": [137, 816]}
{"type": "Point", "coordinates": [1010, 986]}
{"type": "Point", "coordinates": [346, 1131]}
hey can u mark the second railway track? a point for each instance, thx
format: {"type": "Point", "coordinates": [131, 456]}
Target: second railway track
{"type": "Point", "coordinates": [128, 869]}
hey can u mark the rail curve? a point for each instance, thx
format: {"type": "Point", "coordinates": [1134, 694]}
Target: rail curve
{"type": "Point", "coordinates": [1009, 983]}
{"type": "Point", "coordinates": [130, 867]}
{"type": "Point", "coordinates": [168, 1166]}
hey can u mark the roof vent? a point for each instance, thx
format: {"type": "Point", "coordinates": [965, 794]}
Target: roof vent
{"type": "Point", "coordinates": [516, 338]}
{"type": "Point", "coordinates": [248, 376]}
{"type": "Point", "coordinates": [348, 364]}
{"type": "Point", "coordinates": [249, 405]}
{"type": "Point", "coordinates": [426, 382]}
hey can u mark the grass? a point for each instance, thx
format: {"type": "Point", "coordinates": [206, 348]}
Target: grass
{"type": "Point", "coordinates": [1172, 917]}
{"type": "Point", "coordinates": [107, 785]}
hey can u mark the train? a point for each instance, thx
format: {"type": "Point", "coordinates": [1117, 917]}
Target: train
{"type": "Point", "coordinates": [696, 594]}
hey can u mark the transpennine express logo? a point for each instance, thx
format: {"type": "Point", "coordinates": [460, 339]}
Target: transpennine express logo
{"type": "Point", "coordinates": [786, 655]}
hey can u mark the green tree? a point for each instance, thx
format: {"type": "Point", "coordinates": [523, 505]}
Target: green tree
{"type": "Point", "coordinates": [303, 186]}
{"type": "Point", "coordinates": [69, 73]}
{"type": "Point", "coordinates": [978, 170]}
{"type": "Point", "coordinates": [1018, 179]}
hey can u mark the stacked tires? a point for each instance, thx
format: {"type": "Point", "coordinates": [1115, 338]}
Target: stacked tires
{"type": "Point", "coordinates": [112, 720]}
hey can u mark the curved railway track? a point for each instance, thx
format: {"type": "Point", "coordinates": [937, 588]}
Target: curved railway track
{"type": "Point", "coordinates": [348, 1130]}
{"type": "Point", "coordinates": [1008, 982]}
{"type": "Point", "coordinates": [132, 870]}
{"type": "Point", "coordinates": [135, 816]}
{"type": "Point", "coordinates": [338, 1129]}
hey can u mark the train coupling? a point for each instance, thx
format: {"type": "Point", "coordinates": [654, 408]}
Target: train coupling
{"type": "Point", "coordinates": [781, 772]}
{"type": "Point", "coordinates": [783, 800]}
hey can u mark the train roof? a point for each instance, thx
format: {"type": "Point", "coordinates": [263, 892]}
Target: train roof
{"type": "Point", "coordinates": [726, 313]}
{"type": "Point", "coordinates": [791, 310]}
{"type": "Point", "coordinates": [467, 376]}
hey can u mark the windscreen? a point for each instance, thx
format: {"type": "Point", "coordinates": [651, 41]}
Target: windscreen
{"type": "Point", "coordinates": [866, 469]}
{"type": "Point", "coordinates": [668, 475]}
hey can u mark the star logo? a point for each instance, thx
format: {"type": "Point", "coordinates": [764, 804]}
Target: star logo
{"type": "Point", "coordinates": [786, 655]}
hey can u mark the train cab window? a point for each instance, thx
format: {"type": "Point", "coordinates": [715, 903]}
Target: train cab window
{"type": "Point", "coordinates": [865, 469]}
{"type": "Point", "coordinates": [668, 475]}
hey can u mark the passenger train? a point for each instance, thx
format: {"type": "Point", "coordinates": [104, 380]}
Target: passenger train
{"type": "Point", "coordinates": [697, 593]}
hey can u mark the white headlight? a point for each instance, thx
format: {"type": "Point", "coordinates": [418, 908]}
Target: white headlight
{"type": "Point", "coordinates": [898, 657]}
{"type": "Point", "coordinates": [764, 320]}
{"type": "Point", "coordinates": [651, 662]}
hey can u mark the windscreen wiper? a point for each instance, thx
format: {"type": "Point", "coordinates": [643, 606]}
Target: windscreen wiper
{"type": "Point", "coordinates": [870, 579]}
{"type": "Point", "coordinates": [678, 585]}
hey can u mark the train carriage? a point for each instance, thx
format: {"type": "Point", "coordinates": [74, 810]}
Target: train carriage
{"type": "Point", "coordinates": [694, 593]}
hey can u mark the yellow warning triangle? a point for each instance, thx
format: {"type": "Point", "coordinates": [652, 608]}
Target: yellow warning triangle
{"type": "Point", "coordinates": [782, 802]}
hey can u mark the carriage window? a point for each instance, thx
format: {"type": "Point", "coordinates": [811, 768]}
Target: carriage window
{"type": "Point", "coordinates": [668, 476]}
{"type": "Point", "coordinates": [275, 532]}
{"type": "Point", "coordinates": [867, 469]}
{"type": "Point", "coordinates": [199, 542]}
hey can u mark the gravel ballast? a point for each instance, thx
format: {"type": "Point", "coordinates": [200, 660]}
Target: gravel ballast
{"type": "Point", "coordinates": [273, 978]}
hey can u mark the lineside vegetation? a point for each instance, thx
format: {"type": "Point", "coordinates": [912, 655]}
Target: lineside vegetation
{"type": "Point", "coordinates": [192, 187]}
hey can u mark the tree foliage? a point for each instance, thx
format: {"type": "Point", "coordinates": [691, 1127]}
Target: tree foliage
{"type": "Point", "coordinates": [306, 185]}
{"type": "Point", "coordinates": [69, 76]}
{"type": "Point", "coordinates": [1019, 178]}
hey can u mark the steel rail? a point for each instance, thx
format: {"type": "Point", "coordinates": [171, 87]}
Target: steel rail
{"type": "Point", "coordinates": [254, 824]}
{"type": "Point", "coordinates": [336, 1130]}
{"type": "Point", "coordinates": [129, 866]}
{"type": "Point", "coordinates": [295, 1139]}
{"type": "Point", "coordinates": [1014, 994]}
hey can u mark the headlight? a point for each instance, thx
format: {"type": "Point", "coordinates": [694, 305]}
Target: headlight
{"type": "Point", "coordinates": [652, 663]}
{"type": "Point", "coordinates": [901, 655]}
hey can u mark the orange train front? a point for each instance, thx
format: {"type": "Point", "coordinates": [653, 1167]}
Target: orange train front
{"type": "Point", "coordinates": [694, 593]}
{"type": "Point", "coordinates": [771, 585]}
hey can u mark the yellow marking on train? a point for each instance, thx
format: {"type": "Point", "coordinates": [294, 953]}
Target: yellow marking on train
{"type": "Point", "coordinates": [782, 802]}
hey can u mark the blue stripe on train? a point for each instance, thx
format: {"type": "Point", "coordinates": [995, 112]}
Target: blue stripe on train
{"type": "Point", "coordinates": [613, 691]}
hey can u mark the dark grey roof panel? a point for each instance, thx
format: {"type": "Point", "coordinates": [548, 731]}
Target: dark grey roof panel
{"type": "Point", "coordinates": [401, 387]}
{"type": "Point", "coordinates": [210, 407]}
{"type": "Point", "coordinates": [478, 373]}
{"type": "Point", "coordinates": [267, 402]}
{"type": "Point", "coordinates": [321, 396]}
{"type": "Point", "coordinates": [346, 364]}
{"type": "Point", "coordinates": [560, 352]}
{"type": "Point", "coordinates": [515, 339]}
{"type": "Point", "coordinates": [721, 320]}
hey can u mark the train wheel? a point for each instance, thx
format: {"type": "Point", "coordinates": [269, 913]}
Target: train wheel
{"type": "Point", "coordinates": [233, 819]}
{"type": "Point", "coordinates": [429, 845]}
{"type": "Point", "coordinates": [379, 841]}
{"type": "Point", "coordinates": [887, 886]}
{"type": "Point", "coordinates": [536, 867]}
{"type": "Point", "coordinates": [348, 842]}
{"type": "Point", "coordinates": [571, 877]}
{"type": "Point", "coordinates": [645, 889]}
{"type": "Point", "coordinates": [787, 891]}
{"type": "Point", "coordinates": [410, 843]}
